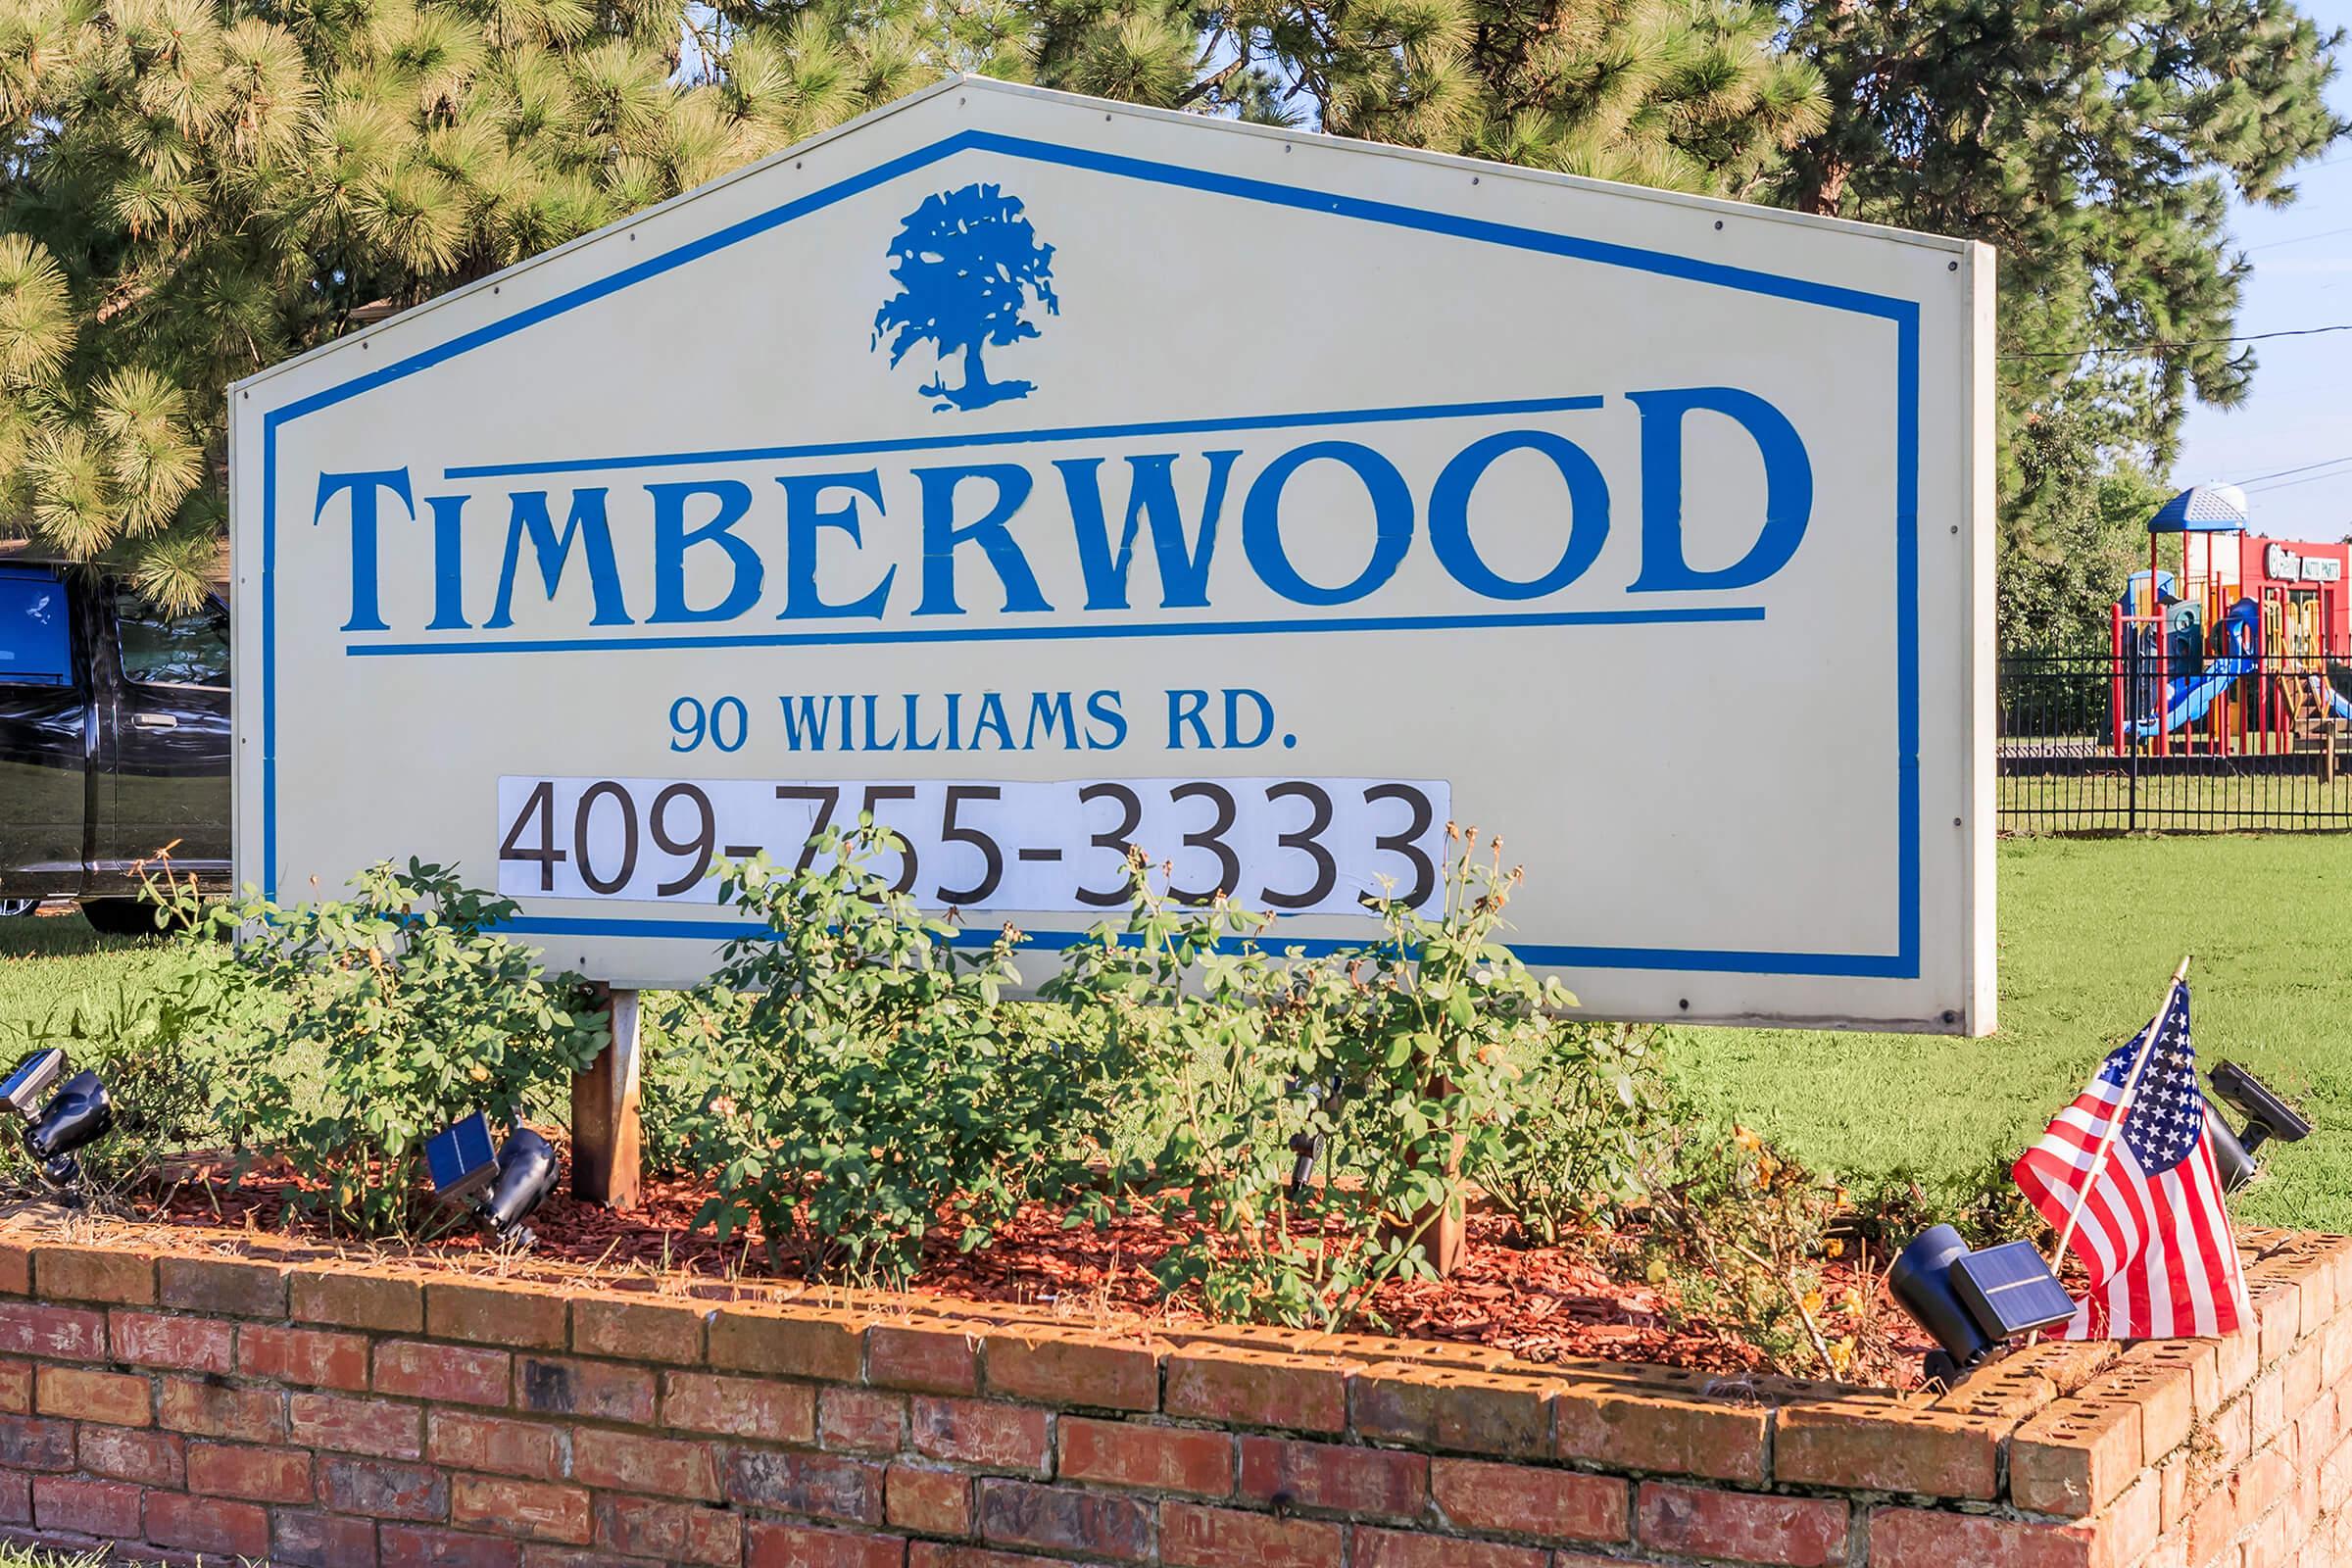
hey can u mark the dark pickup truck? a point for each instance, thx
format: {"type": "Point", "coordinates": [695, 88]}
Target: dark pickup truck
{"type": "Point", "coordinates": [114, 741]}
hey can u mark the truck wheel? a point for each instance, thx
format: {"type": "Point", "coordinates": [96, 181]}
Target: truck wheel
{"type": "Point", "coordinates": [121, 917]}
{"type": "Point", "coordinates": [10, 909]}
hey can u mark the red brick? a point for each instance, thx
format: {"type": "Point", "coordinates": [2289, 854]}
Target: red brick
{"type": "Point", "coordinates": [117, 1398]}
{"type": "Point", "coordinates": [1334, 1477]}
{"type": "Point", "coordinates": [27, 1444]}
{"type": "Point", "coordinates": [861, 1421]}
{"type": "Point", "coordinates": [382, 1489]}
{"type": "Point", "coordinates": [1397, 1549]}
{"type": "Point", "coordinates": [218, 1411]}
{"type": "Point", "coordinates": [16, 1270]}
{"type": "Point", "coordinates": [775, 1545]}
{"type": "Point", "coordinates": [923, 1357]}
{"type": "Point", "coordinates": [1121, 1453]}
{"type": "Point", "coordinates": [448, 1374]}
{"type": "Point", "coordinates": [421, 1547]}
{"type": "Point", "coordinates": [106, 1508]}
{"type": "Point", "coordinates": [787, 1342]}
{"type": "Point", "coordinates": [1920, 1537]}
{"type": "Point", "coordinates": [542, 1555]}
{"type": "Point", "coordinates": [1194, 1537]}
{"type": "Point", "coordinates": [627, 1462]}
{"type": "Point", "coordinates": [381, 1301]}
{"type": "Point", "coordinates": [64, 1273]}
{"type": "Point", "coordinates": [60, 1333]}
{"type": "Point", "coordinates": [15, 1497]}
{"type": "Point", "coordinates": [1021, 1513]}
{"type": "Point", "coordinates": [230, 1286]}
{"type": "Point", "coordinates": [674, 1532]}
{"type": "Point", "coordinates": [1258, 1389]}
{"type": "Point", "coordinates": [744, 1408]}
{"type": "Point", "coordinates": [318, 1357]}
{"type": "Point", "coordinates": [2073, 1457]}
{"type": "Point", "coordinates": [1630, 1428]}
{"type": "Point", "coordinates": [1743, 1526]}
{"type": "Point", "coordinates": [1072, 1372]}
{"type": "Point", "coordinates": [602, 1391]}
{"type": "Point", "coordinates": [466, 1442]}
{"type": "Point", "coordinates": [533, 1509]}
{"type": "Point", "coordinates": [1881, 1445]}
{"type": "Point", "coordinates": [637, 1330]}
{"type": "Point", "coordinates": [821, 1484]}
{"type": "Point", "coordinates": [263, 1474]}
{"type": "Point", "coordinates": [208, 1524]}
{"type": "Point", "coordinates": [927, 1503]}
{"type": "Point", "coordinates": [490, 1312]}
{"type": "Point", "coordinates": [982, 1433]}
{"type": "Point", "coordinates": [156, 1458]}
{"type": "Point", "coordinates": [303, 1540]}
{"type": "Point", "coordinates": [181, 1343]}
{"type": "Point", "coordinates": [1557, 1504]}
{"type": "Point", "coordinates": [15, 1386]}
{"type": "Point", "coordinates": [944, 1554]}
{"type": "Point", "coordinates": [375, 1427]}
{"type": "Point", "coordinates": [1446, 1408]}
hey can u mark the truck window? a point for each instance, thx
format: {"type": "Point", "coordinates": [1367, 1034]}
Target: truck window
{"type": "Point", "coordinates": [33, 647]}
{"type": "Point", "coordinates": [160, 650]}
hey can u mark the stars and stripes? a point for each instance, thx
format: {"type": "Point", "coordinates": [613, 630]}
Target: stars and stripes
{"type": "Point", "coordinates": [2151, 1229]}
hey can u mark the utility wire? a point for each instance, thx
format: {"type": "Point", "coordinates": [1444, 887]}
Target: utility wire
{"type": "Point", "coordinates": [2307, 480]}
{"type": "Point", "coordinates": [2174, 343]}
{"type": "Point", "coordinates": [2297, 239]}
{"type": "Point", "coordinates": [2306, 468]}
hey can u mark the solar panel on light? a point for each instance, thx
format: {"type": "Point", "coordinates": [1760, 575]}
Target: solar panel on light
{"type": "Point", "coordinates": [461, 1158]}
{"type": "Point", "coordinates": [33, 1078]}
{"type": "Point", "coordinates": [2009, 1290]}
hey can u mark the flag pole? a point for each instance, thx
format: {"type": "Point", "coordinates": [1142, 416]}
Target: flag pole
{"type": "Point", "coordinates": [2115, 1123]}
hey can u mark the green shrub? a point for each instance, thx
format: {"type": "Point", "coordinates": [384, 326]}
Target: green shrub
{"type": "Point", "coordinates": [1582, 1126]}
{"type": "Point", "coordinates": [874, 1088]}
{"type": "Point", "coordinates": [380, 1019]}
{"type": "Point", "coordinates": [1396, 1061]}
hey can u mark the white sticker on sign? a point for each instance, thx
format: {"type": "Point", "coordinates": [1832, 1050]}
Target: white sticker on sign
{"type": "Point", "coordinates": [1293, 845]}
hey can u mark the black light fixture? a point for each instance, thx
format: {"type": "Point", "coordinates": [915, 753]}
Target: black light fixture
{"type": "Point", "coordinates": [77, 1116]}
{"type": "Point", "coordinates": [1971, 1302]}
{"type": "Point", "coordinates": [500, 1190]}
{"type": "Point", "coordinates": [2267, 1117]}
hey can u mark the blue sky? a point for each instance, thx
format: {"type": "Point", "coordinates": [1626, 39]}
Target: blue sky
{"type": "Point", "coordinates": [2300, 410]}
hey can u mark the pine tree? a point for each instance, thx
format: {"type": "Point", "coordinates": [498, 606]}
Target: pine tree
{"type": "Point", "coordinates": [2096, 144]}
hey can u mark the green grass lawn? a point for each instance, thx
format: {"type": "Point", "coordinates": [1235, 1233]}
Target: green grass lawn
{"type": "Point", "coordinates": [2089, 931]}
{"type": "Point", "coordinates": [2090, 928]}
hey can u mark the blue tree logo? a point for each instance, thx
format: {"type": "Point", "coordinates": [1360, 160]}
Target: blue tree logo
{"type": "Point", "coordinates": [965, 261]}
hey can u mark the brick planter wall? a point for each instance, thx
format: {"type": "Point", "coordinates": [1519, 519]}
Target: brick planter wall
{"type": "Point", "coordinates": [318, 1412]}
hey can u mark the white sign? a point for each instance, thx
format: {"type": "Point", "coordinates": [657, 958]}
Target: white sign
{"type": "Point", "coordinates": [1055, 475]}
{"type": "Point", "coordinates": [2282, 564]}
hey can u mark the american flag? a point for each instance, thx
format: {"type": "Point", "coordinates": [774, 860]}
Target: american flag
{"type": "Point", "coordinates": [2152, 1231]}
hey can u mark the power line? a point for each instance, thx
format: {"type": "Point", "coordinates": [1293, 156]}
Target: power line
{"type": "Point", "coordinates": [2175, 343]}
{"type": "Point", "coordinates": [2297, 239]}
{"type": "Point", "coordinates": [2308, 480]}
{"type": "Point", "coordinates": [2280, 473]}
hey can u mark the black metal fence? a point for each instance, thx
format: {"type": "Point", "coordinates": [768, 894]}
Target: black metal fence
{"type": "Point", "coordinates": [2120, 744]}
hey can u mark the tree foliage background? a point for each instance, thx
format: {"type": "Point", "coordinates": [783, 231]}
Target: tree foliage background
{"type": "Point", "coordinates": [194, 190]}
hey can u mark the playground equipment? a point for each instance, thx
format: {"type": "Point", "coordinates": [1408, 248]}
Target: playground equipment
{"type": "Point", "coordinates": [2244, 648]}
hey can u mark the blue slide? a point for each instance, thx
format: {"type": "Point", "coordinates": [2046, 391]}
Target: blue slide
{"type": "Point", "coordinates": [2338, 705]}
{"type": "Point", "coordinates": [2188, 697]}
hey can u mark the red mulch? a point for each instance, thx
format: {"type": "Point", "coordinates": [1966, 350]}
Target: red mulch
{"type": "Point", "coordinates": [1538, 1303]}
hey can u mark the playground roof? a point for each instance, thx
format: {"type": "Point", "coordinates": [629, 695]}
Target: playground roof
{"type": "Point", "coordinates": [2202, 509]}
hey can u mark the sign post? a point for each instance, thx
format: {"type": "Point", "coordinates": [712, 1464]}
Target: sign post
{"type": "Point", "coordinates": [1650, 531]}
{"type": "Point", "coordinates": [606, 1162]}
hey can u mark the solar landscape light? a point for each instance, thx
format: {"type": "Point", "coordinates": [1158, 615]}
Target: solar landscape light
{"type": "Point", "coordinates": [32, 1079]}
{"type": "Point", "coordinates": [2267, 1117]}
{"type": "Point", "coordinates": [77, 1116]}
{"type": "Point", "coordinates": [1971, 1302]}
{"type": "Point", "coordinates": [500, 1190]}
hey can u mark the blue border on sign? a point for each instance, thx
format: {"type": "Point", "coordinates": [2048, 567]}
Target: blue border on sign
{"type": "Point", "coordinates": [1903, 963]}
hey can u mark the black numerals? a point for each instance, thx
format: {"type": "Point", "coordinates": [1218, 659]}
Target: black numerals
{"type": "Point", "coordinates": [1210, 838]}
{"type": "Point", "coordinates": [875, 795]}
{"type": "Point", "coordinates": [697, 848]}
{"type": "Point", "coordinates": [952, 831]}
{"type": "Point", "coordinates": [541, 805]}
{"type": "Point", "coordinates": [606, 788]}
{"type": "Point", "coordinates": [1115, 839]}
{"type": "Point", "coordinates": [1307, 838]}
{"type": "Point", "coordinates": [828, 800]}
{"type": "Point", "coordinates": [1425, 871]}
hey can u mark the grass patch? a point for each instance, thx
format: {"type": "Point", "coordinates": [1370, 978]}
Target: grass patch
{"type": "Point", "coordinates": [2089, 931]}
{"type": "Point", "coordinates": [50, 964]}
